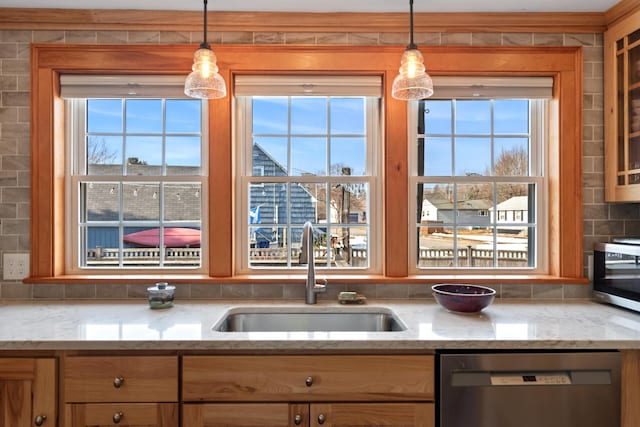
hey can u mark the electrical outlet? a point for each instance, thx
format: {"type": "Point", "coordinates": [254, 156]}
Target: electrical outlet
{"type": "Point", "coordinates": [15, 266]}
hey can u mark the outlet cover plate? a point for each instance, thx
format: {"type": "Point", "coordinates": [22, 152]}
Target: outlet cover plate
{"type": "Point", "coordinates": [15, 266]}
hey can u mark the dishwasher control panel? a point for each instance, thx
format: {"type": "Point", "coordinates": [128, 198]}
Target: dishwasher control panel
{"type": "Point", "coordinates": [530, 379]}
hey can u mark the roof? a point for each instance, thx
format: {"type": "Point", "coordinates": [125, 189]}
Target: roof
{"type": "Point", "coordinates": [517, 203]}
{"type": "Point", "coordinates": [444, 204]}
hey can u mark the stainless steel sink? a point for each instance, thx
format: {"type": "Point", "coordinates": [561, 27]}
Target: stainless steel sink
{"type": "Point", "coordinates": [330, 319]}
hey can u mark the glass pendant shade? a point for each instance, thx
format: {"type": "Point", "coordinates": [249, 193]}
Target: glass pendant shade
{"type": "Point", "coordinates": [413, 82]}
{"type": "Point", "coordinates": [204, 82]}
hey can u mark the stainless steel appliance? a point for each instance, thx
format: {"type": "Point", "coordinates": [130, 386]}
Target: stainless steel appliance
{"type": "Point", "coordinates": [616, 273]}
{"type": "Point", "coordinates": [550, 389]}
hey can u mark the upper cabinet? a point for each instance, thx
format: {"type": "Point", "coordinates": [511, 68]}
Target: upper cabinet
{"type": "Point", "coordinates": [622, 110]}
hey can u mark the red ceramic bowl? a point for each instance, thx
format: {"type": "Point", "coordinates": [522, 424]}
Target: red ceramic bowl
{"type": "Point", "coordinates": [463, 298]}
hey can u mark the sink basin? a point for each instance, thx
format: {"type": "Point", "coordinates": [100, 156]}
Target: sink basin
{"type": "Point", "coordinates": [309, 319]}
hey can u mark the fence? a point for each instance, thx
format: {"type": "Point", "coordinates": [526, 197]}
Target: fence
{"type": "Point", "coordinates": [143, 256]}
{"type": "Point", "coordinates": [472, 257]}
{"type": "Point", "coordinates": [278, 256]}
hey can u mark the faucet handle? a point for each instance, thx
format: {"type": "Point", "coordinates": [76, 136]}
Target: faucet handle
{"type": "Point", "coordinates": [321, 287]}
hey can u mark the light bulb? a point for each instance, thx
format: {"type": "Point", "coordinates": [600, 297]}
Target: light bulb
{"type": "Point", "coordinates": [204, 61]}
{"type": "Point", "coordinates": [413, 64]}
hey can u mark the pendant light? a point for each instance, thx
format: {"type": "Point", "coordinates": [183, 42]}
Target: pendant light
{"type": "Point", "coordinates": [204, 82]}
{"type": "Point", "coordinates": [413, 82]}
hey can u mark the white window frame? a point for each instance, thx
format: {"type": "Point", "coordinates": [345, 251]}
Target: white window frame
{"type": "Point", "coordinates": [243, 135]}
{"type": "Point", "coordinates": [75, 116]}
{"type": "Point", "coordinates": [539, 173]}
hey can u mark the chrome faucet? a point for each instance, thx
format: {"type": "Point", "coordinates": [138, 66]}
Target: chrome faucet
{"type": "Point", "coordinates": [307, 257]}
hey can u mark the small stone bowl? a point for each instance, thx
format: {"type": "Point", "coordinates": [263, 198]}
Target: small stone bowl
{"type": "Point", "coordinates": [463, 298]}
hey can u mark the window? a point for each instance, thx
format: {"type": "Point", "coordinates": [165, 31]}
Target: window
{"type": "Point", "coordinates": [480, 153]}
{"type": "Point", "coordinates": [308, 146]}
{"type": "Point", "coordinates": [223, 214]}
{"type": "Point", "coordinates": [136, 179]}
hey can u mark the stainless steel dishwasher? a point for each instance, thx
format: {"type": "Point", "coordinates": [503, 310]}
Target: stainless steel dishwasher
{"type": "Point", "coordinates": [547, 389]}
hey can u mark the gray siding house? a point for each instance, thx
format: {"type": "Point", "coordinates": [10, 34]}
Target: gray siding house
{"type": "Point", "coordinates": [271, 205]}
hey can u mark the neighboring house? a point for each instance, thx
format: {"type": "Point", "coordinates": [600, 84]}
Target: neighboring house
{"type": "Point", "coordinates": [271, 199]}
{"type": "Point", "coordinates": [141, 201]}
{"type": "Point", "coordinates": [475, 213]}
{"type": "Point", "coordinates": [513, 210]}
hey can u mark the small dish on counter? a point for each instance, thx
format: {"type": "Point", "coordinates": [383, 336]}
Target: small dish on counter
{"type": "Point", "coordinates": [161, 295]}
{"type": "Point", "coordinates": [461, 298]}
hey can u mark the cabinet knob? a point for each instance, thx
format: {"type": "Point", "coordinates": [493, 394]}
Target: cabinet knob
{"type": "Point", "coordinates": [309, 381]}
{"type": "Point", "coordinates": [297, 419]}
{"type": "Point", "coordinates": [321, 419]}
{"type": "Point", "coordinates": [118, 381]}
{"type": "Point", "coordinates": [117, 417]}
{"type": "Point", "coordinates": [40, 419]}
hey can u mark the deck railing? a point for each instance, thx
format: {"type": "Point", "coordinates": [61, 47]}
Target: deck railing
{"type": "Point", "coordinates": [143, 256]}
{"type": "Point", "coordinates": [277, 256]}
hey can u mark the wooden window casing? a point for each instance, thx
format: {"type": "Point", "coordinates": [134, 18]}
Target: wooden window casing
{"type": "Point", "coordinates": [48, 208]}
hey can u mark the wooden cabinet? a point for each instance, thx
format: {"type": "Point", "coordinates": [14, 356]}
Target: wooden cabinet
{"type": "Point", "coordinates": [116, 414]}
{"type": "Point", "coordinates": [245, 415]}
{"type": "Point", "coordinates": [373, 414]}
{"type": "Point", "coordinates": [134, 391]}
{"type": "Point", "coordinates": [28, 392]}
{"type": "Point", "coordinates": [327, 390]}
{"type": "Point", "coordinates": [622, 110]}
{"type": "Point", "coordinates": [630, 377]}
{"type": "Point", "coordinates": [309, 415]}
{"type": "Point", "coordinates": [306, 378]}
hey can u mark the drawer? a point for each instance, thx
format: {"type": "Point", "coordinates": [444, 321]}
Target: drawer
{"type": "Point", "coordinates": [126, 414]}
{"type": "Point", "coordinates": [308, 378]}
{"type": "Point", "coordinates": [121, 379]}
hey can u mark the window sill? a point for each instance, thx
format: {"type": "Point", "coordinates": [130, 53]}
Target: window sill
{"type": "Point", "coordinates": [478, 279]}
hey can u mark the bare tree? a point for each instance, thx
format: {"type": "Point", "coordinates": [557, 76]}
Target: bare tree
{"type": "Point", "coordinates": [513, 162]}
{"type": "Point", "coordinates": [98, 152]}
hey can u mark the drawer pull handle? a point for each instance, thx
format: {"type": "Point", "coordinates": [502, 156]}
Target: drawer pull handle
{"type": "Point", "coordinates": [40, 419]}
{"type": "Point", "coordinates": [321, 419]}
{"type": "Point", "coordinates": [117, 417]}
{"type": "Point", "coordinates": [118, 381]}
{"type": "Point", "coordinates": [298, 419]}
{"type": "Point", "coordinates": [309, 381]}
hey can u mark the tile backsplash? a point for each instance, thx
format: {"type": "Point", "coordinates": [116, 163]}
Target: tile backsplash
{"type": "Point", "coordinates": [289, 291]}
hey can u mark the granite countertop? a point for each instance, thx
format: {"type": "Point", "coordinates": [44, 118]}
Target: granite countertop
{"type": "Point", "coordinates": [131, 325]}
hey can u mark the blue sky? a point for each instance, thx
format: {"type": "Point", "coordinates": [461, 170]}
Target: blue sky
{"type": "Point", "coordinates": [310, 122]}
{"type": "Point", "coordinates": [472, 130]}
{"type": "Point", "coordinates": [144, 116]}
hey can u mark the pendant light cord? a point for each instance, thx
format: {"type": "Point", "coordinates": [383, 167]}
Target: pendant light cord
{"type": "Point", "coordinates": [412, 45]}
{"type": "Point", "coordinates": [204, 44]}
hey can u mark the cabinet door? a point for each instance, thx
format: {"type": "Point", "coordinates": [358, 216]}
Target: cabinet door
{"type": "Point", "coordinates": [245, 415]}
{"type": "Point", "coordinates": [27, 392]}
{"type": "Point", "coordinates": [372, 415]}
{"type": "Point", "coordinates": [115, 414]}
{"type": "Point", "coordinates": [630, 388]}
{"type": "Point", "coordinates": [622, 111]}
